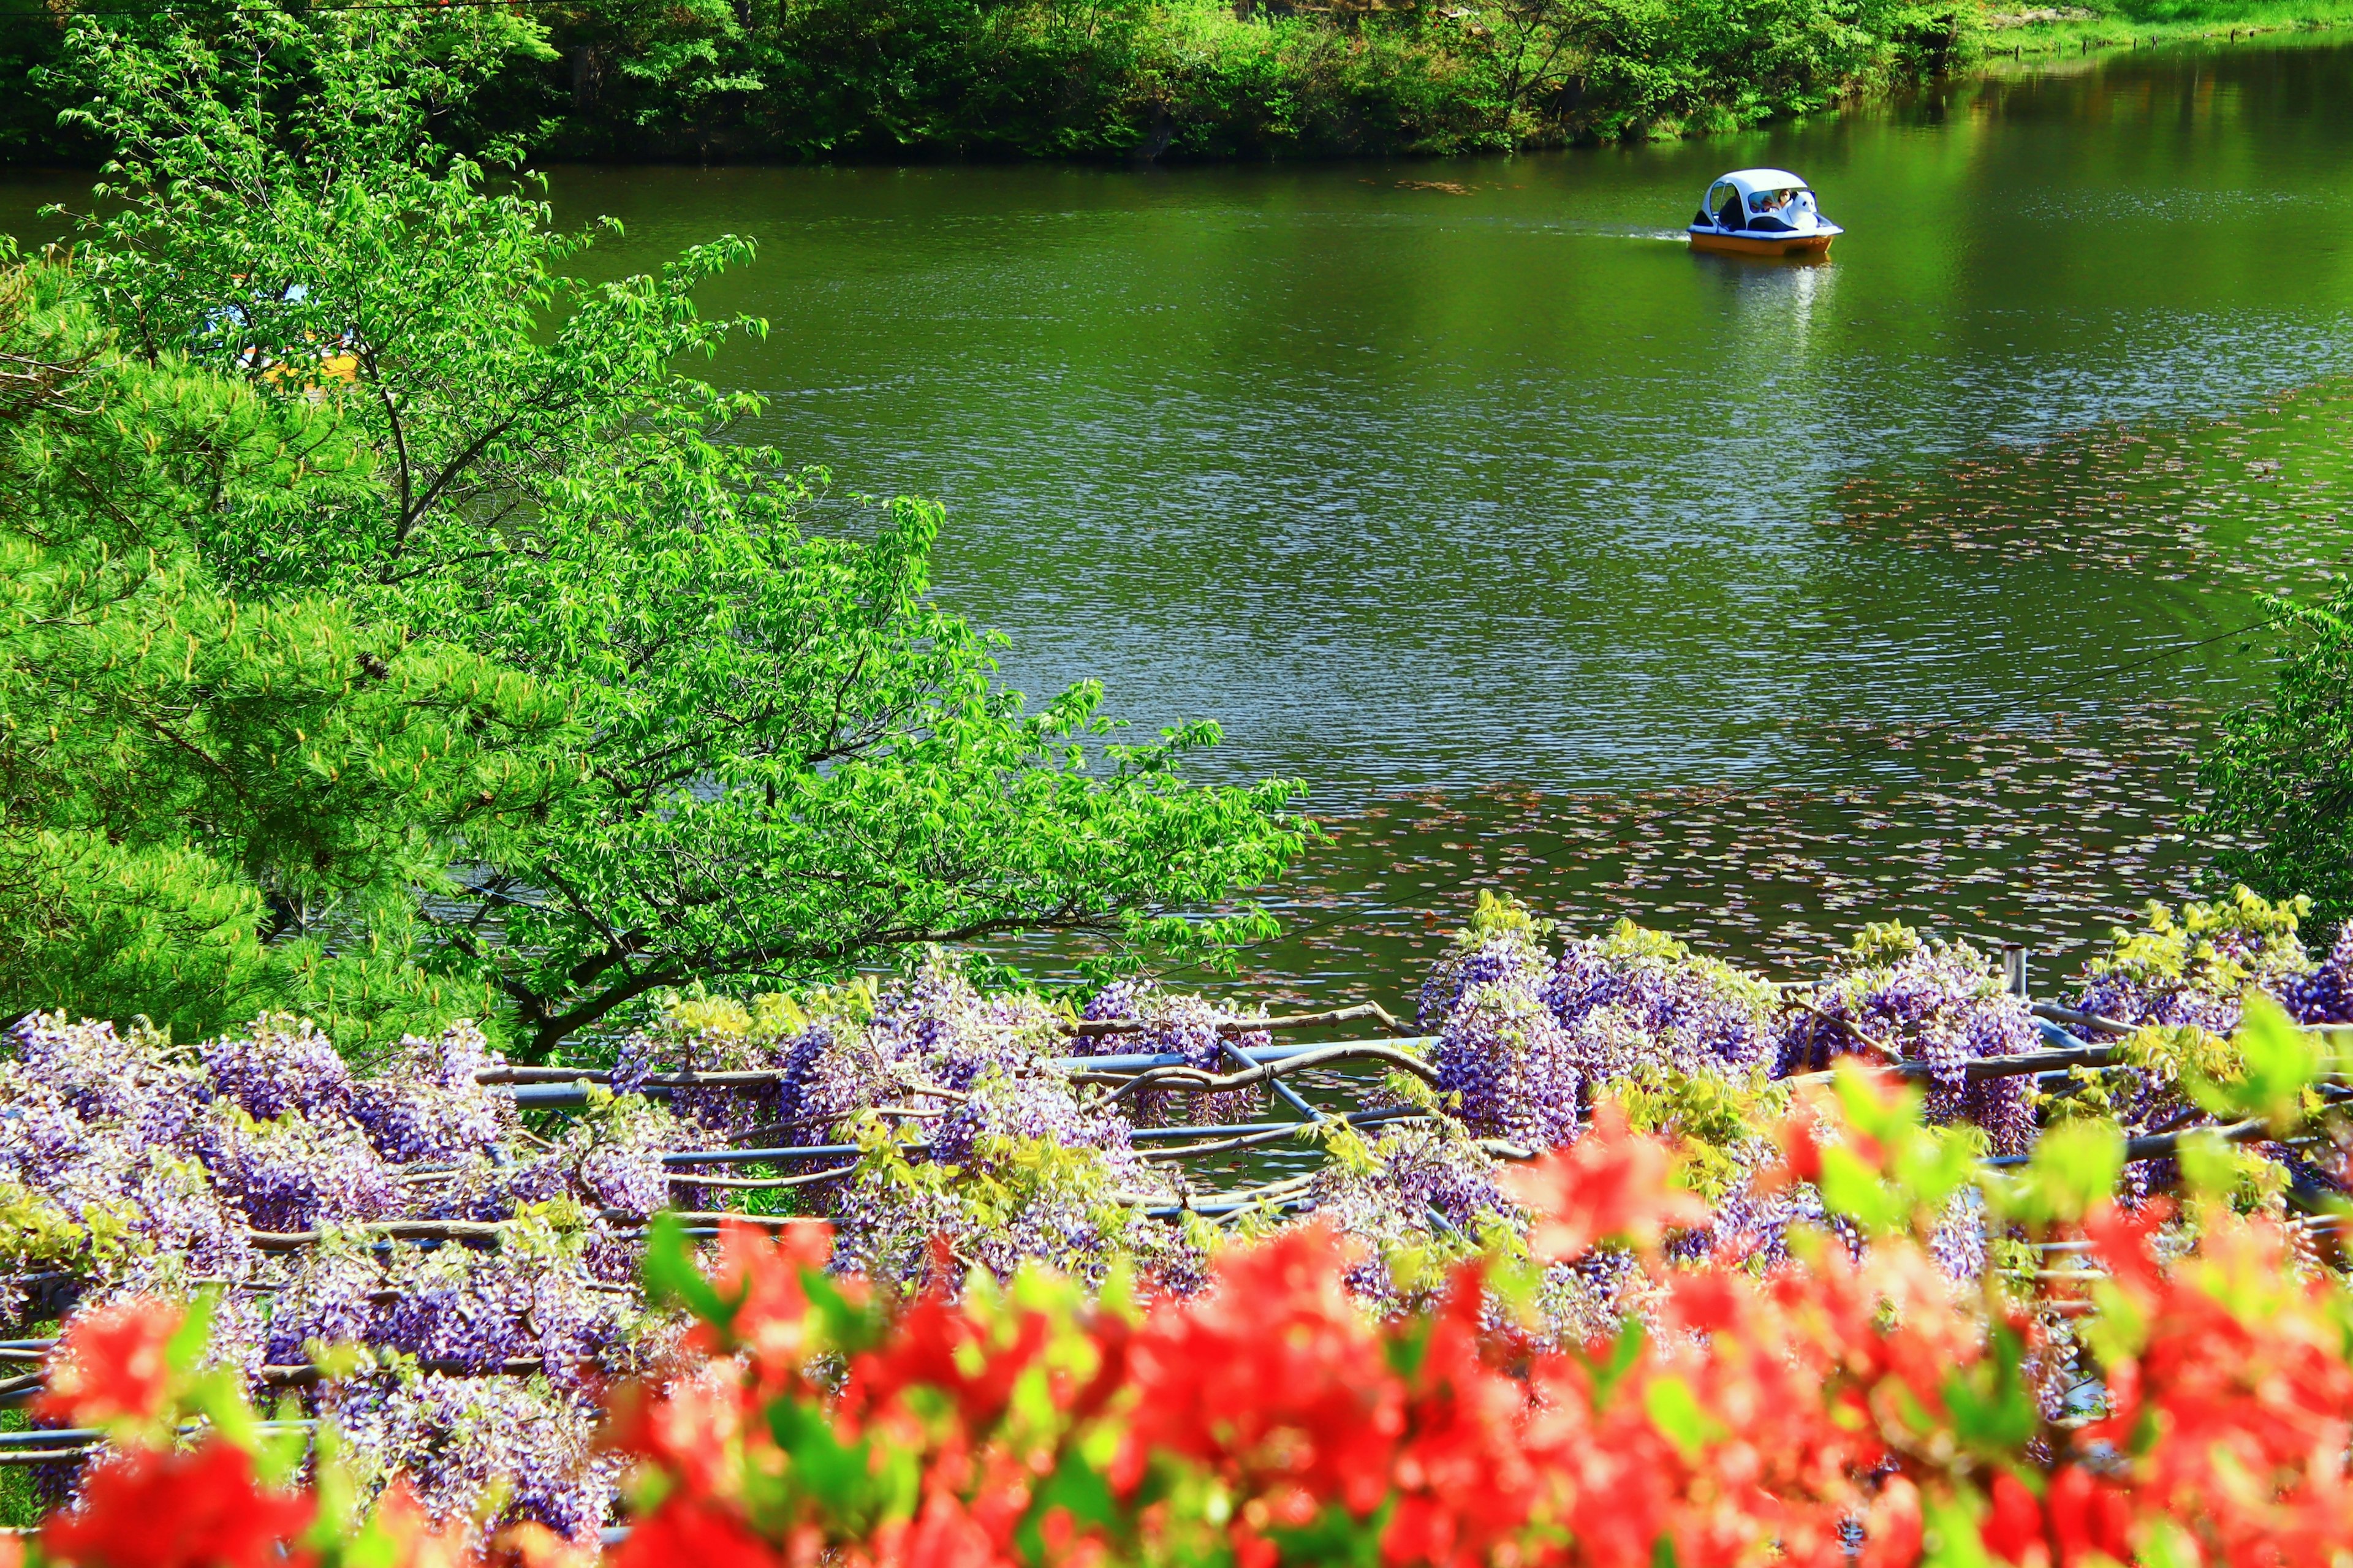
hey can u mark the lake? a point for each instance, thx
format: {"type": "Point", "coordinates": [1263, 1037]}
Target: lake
{"type": "Point", "coordinates": [1750, 599]}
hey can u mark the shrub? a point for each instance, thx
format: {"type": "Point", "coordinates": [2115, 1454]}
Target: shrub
{"type": "Point", "coordinates": [2186, 1400]}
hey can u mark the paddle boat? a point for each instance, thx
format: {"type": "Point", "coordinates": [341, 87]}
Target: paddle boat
{"type": "Point", "coordinates": [313, 361]}
{"type": "Point", "coordinates": [1762, 212]}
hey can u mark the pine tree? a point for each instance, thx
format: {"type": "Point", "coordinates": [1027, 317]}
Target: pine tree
{"type": "Point", "coordinates": [211, 807]}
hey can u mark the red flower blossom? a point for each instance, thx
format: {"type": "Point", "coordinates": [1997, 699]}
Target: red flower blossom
{"type": "Point", "coordinates": [203, 1509]}
{"type": "Point", "coordinates": [111, 1364]}
{"type": "Point", "coordinates": [415, 1541]}
{"type": "Point", "coordinates": [687, 1530]}
{"type": "Point", "coordinates": [762, 1270]}
{"type": "Point", "coordinates": [1611, 1184]}
{"type": "Point", "coordinates": [1274, 1418]}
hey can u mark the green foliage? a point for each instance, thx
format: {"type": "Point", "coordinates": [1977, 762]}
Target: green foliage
{"type": "Point", "coordinates": [2207, 12]}
{"type": "Point", "coordinates": [1882, 943]}
{"type": "Point", "coordinates": [2178, 1053]}
{"type": "Point", "coordinates": [672, 1279]}
{"type": "Point", "coordinates": [2074, 1167]}
{"type": "Point", "coordinates": [28, 116]}
{"type": "Point", "coordinates": [1057, 78]}
{"type": "Point", "coordinates": [2229, 1174]}
{"type": "Point", "coordinates": [2219, 948]}
{"type": "Point", "coordinates": [34, 1230]}
{"type": "Point", "coordinates": [211, 807]}
{"type": "Point", "coordinates": [816, 79]}
{"type": "Point", "coordinates": [1720, 1124]}
{"type": "Point", "coordinates": [2280, 782]}
{"type": "Point", "coordinates": [792, 763]}
{"type": "Point", "coordinates": [1734, 984]}
{"type": "Point", "coordinates": [1501, 914]}
{"type": "Point", "coordinates": [2271, 1081]}
{"type": "Point", "coordinates": [1642, 66]}
{"type": "Point", "coordinates": [1893, 1172]}
{"type": "Point", "coordinates": [1676, 1411]}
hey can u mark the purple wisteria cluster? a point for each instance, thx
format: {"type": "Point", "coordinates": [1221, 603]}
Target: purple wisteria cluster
{"type": "Point", "coordinates": [2186, 978]}
{"type": "Point", "coordinates": [1896, 994]}
{"type": "Point", "coordinates": [1526, 1042]}
{"type": "Point", "coordinates": [2324, 993]}
{"type": "Point", "coordinates": [444, 1433]}
{"type": "Point", "coordinates": [1505, 1065]}
{"type": "Point", "coordinates": [971, 1144]}
{"type": "Point", "coordinates": [260, 1168]}
{"type": "Point", "coordinates": [1638, 1003]}
{"type": "Point", "coordinates": [489, 1269]}
{"type": "Point", "coordinates": [1193, 1029]}
{"type": "Point", "coordinates": [1420, 1198]}
{"type": "Point", "coordinates": [1045, 1168]}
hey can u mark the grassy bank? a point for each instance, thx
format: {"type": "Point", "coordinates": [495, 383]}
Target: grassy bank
{"type": "Point", "coordinates": [2027, 33]}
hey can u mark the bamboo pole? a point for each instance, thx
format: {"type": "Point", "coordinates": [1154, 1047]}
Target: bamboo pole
{"type": "Point", "coordinates": [1087, 1028]}
{"type": "Point", "coordinates": [1194, 1080]}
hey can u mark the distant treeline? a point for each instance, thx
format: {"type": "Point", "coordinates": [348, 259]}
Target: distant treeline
{"type": "Point", "coordinates": [807, 80]}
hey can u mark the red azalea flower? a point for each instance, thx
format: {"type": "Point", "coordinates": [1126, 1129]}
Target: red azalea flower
{"type": "Point", "coordinates": [2012, 1527]}
{"type": "Point", "coordinates": [1611, 1183]}
{"type": "Point", "coordinates": [111, 1363]}
{"type": "Point", "coordinates": [204, 1508]}
{"type": "Point", "coordinates": [704, 1534]}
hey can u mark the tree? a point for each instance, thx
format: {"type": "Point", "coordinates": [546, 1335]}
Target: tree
{"type": "Point", "coordinates": [2280, 782]}
{"type": "Point", "coordinates": [800, 764]}
{"type": "Point", "coordinates": [210, 808]}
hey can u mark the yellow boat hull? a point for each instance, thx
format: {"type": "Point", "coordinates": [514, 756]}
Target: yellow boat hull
{"type": "Point", "coordinates": [1752, 245]}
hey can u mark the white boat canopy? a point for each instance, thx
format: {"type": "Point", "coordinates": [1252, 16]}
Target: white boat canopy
{"type": "Point", "coordinates": [1751, 180]}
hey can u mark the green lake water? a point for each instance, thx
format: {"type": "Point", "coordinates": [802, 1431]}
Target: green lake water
{"type": "Point", "coordinates": [1751, 599]}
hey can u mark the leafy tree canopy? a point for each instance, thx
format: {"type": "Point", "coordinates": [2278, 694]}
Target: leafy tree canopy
{"type": "Point", "coordinates": [2281, 781]}
{"type": "Point", "coordinates": [797, 763]}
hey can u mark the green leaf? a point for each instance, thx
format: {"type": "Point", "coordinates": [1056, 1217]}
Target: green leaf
{"type": "Point", "coordinates": [1675, 1411]}
{"type": "Point", "coordinates": [1335, 1537]}
{"type": "Point", "coordinates": [1990, 1406]}
{"type": "Point", "coordinates": [1854, 1191]}
{"type": "Point", "coordinates": [849, 1326]}
{"type": "Point", "coordinates": [2074, 1165]}
{"type": "Point", "coordinates": [1624, 1352]}
{"type": "Point", "coordinates": [837, 1475]}
{"type": "Point", "coordinates": [185, 1349]}
{"type": "Point", "coordinates": [510, 597]}
{"type": "Point", "coordinates": [1075, 1487]}
{"type": "Point", "coordinates": [1406, 1344]}
{"type": "Point", "coordinates": [2280, 1062]}
{"type": "Point", "coordinates": [1949, 1536]}
{"type": "Point", "coordinates": [672, 1277]}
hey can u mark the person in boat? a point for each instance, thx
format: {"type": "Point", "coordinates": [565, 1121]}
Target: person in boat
{"type": "Point", "coordinates": [1767, 210]}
